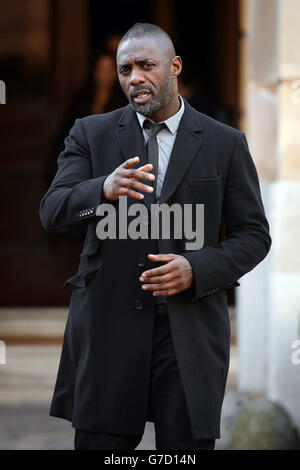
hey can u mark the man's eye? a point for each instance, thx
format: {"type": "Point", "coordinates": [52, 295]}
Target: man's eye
{"type": "Point", "coordinates": [148, 65]}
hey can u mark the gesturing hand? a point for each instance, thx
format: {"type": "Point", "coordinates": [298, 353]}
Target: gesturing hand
{"type": "Point", "coordinates": [173, 277]}
{"type": "Point", "coordinates": [123, 178]}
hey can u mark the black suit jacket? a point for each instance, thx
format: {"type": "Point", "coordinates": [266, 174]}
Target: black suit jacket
{"type": "Point", "coordinates": [104, 372]}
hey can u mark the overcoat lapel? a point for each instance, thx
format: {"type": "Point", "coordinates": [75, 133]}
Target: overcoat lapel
{"type": "Point", "coordinates": [187, 143]}
{"type": "Point", "coordinates": [130, 136]}
{"type": "Point", "coordinates": [131, 139]}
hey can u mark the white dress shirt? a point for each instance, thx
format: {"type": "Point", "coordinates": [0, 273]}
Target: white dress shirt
{"type": "Point", "coordinates": [165, 139]}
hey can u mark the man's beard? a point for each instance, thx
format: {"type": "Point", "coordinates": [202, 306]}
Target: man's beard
{"type": "Point", "coordinates": [159, 101]}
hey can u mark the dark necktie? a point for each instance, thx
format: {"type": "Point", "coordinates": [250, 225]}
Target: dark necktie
{"type": "Point", "coordinates": [152, 149]}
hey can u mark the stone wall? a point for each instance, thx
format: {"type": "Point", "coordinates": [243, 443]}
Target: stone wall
{"type": "Point", "coordinates": [268, 301]}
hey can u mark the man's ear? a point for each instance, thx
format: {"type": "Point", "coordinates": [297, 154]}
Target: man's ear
{"type": "Point", "coordinates": [176, 66]}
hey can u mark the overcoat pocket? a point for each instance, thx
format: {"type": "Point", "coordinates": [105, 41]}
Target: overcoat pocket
{"type": "Point", "coordinates": [90, 264]}
{"type": "Point", "coordinates": [203, 180]}
{"type": "Point", "coordinates": [80, 279]}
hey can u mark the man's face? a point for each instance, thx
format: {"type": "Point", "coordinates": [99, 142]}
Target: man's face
{"type": "Point", "coordinates": [145, 75]}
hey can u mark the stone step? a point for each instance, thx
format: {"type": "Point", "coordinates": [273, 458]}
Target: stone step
{"type": "Point", "coordinates": [32, 325]}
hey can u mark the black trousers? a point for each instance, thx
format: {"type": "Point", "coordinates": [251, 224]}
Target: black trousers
{"type": "Point", "coordinates": [167, 405]}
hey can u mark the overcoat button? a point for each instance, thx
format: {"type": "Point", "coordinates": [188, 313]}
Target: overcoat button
{"type": "Point", "coordinates": [138, 304]}
{"type": "Point", "coordinates": [141, 262]}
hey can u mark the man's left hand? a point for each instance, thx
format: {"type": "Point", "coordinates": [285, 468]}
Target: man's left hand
{"type": "Point", "coordinates": [173, 277]}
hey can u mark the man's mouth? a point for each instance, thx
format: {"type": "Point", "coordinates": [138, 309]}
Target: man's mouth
{"type": "Point", "coordinates": [141, 96]}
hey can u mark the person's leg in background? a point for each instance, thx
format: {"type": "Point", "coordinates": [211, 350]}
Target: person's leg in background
{"type": "Point", "coordinates": [167, 400]}
{"type": "Point", "coordinates": [85, 440]}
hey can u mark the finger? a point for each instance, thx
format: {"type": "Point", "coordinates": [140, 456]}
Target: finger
{"type": "Point", "coordinates": [131, 162]}
{"type": "Point", "coordinates": [166, 268]}
{"type": "Point", "coordinates": [123, 191]}
{"type": "Point", "coordinates": [159, 279]}
{"type": "Point", "coordinates": [159, 257]}
{"type": "Point", "coordinates": [135, 173]}
{"type": "Point", "coordinates": [158, 287]}
{"type": "Point", "coordinates": [165, 293]}
{"type": "Point", "coordinates": [152, 287]}
{"type": "Point", "coordinates": [131, 183]}
{"type": "Point", "coordinates": [147, 167]}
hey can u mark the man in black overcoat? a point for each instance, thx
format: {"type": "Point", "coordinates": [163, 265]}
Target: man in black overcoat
{"type": "Point", "coordinates": [148, 333]}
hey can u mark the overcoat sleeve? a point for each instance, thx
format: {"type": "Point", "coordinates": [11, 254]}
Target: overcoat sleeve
{"type": "Point", "coordinates": [247, 229]}
{"type": "Point", "coordinates": [73, 197]}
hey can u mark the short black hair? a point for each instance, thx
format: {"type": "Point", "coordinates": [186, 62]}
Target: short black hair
{"type": "Point", "coordinates": [141, 30]}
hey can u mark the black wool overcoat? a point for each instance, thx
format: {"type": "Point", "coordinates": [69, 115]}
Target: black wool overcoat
{"type": "Point", "coordinates": [104, 372]}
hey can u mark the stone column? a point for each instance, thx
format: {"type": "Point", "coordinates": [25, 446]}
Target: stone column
{"type": "Point", "coordinates": [268, 300]}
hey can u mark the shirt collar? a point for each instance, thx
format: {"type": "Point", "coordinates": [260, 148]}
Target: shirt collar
{"type": "Point", "coordinates": [172, 122]}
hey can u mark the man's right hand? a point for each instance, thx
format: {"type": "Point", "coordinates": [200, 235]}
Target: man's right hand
{"type": "Point", "coordinates": [120, 182]}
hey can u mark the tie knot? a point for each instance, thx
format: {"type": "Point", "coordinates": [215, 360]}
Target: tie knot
{"type": "Point", "coordinates": [153, 128]}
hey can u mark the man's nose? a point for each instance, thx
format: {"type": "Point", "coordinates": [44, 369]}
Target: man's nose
{"type": "Point", "coordinates": [136, 77]}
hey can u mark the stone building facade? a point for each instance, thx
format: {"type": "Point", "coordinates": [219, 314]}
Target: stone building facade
{"type": "Point", "coordinates": [268, 300]}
